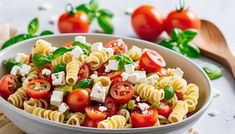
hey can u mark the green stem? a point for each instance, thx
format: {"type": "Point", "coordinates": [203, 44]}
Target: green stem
{"type": "Point", "coordinates": [70, 9]}
{"type": "Point", "coordinates": [181, 5]}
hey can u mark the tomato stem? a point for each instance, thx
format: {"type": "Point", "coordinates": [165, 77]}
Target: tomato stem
{"type": "Point", "coordinates": [70, 9]}
{"type": "Point", "coordinates": [181, 5]}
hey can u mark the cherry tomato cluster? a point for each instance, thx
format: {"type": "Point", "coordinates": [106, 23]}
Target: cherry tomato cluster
{"type": "Point", "coordinates": [148, 22]}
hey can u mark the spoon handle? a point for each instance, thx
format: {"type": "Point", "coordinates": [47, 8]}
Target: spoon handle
{"type": "Point", "coordinates": [231, 62]}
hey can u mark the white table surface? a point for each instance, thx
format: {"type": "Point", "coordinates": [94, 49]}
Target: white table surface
{"type": "Point", "coordinates": [20, 12]}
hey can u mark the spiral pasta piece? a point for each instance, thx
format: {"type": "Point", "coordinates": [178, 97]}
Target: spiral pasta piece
{"type": "Point", "coordinates": [31, 104]}
{"type": "Point", "coordinates": [134, 54]}
{"type": "Point", "coordinates": [173, 101]}
{"type": "Point", "coordinates": [191, 96]}
{"type": "Point", "coordinates": [48, 114]}
{"type": "Point", "coordinates": [162, 83]}
{"type": "Point", "coordinates": [82, 58]}
{"type": "Point", "coordinates": [126, 114]}
{"type": "Point", "coordinates": [17, 99]}
{"type": "Point", "coordinates": [96, 59]}
{"type": "Point", "coordinates": [114, 122]}
{"type": "Point", "coordinates": [42, 47]}
{"type": "Point", "coordinates": [178, 112]}
{"type": "Point", "coordinates": [105, 81]}
{"type": "Point", "coordinates": [76, 119]}
{"type": "Point", "coordinates": [63, 59]}
{"type": "Point", "coordinates": [33, 74]}
{"type": "Point", "coordinates": [178, 84]}
{"type": "Point", "coordinates": [72, 70]}
{"type": "Point", "coordinates": [148, 92]}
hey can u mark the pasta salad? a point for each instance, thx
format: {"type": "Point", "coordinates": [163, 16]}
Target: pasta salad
{"type": "Point", "coordinates": [94, 85]}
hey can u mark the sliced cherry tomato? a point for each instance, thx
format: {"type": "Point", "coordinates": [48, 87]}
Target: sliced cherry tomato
{"type": "Point", "coordinates": [68, 44]}
{"type": "Point", "coordinates": [118, 46]}
{"type": "Point", "coordinates": [8, 84]}
{"type": "Point", "coordinates": [78, 100]}
{"type": "Point", "coordinates": [46, 77]}
{"type": "Point", "coordinates": [101, 71]}
{"type": "Point", "coordinates": [83, 72]}
{"type": "Point", "coordinates": [30, 58]}
{"type": "Point", "coordinates": [164, 109]}
{"type": "Point", "coordinates": [152, 61]}
{"type": "Point", "coordinates": [90, 123]}
{"type": "Point", "coordinates": [115, 74]}
{"type": "Point", "coordinates": [116, 79]}
{"type": "Point", "coordinates": [73, 23]}
{"type": "Point", "coordinates": [144, 120]}
{"type": "Point", "coordinates": [122, 91]}
{"type": "Point", "coordinates": [183, 19]}
{"type": "Point", "coordinates": [38, 89]}
{"type": "Point", "coordinates": [179, 95]}
{"type": "Point", "coordinates": [147, 22]}
{"type": "Point", "coordinates": [112, 106]}
{"type": "Point", "coordinates": [94, 114]}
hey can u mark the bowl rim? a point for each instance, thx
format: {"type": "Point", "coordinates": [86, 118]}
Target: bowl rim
{"type": "Point", "coordinates": [65, 126]}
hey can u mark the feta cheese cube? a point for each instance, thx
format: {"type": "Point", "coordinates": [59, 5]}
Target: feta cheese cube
{"type": "Point", "coordinates": [53, 49]}
{"type": "Point", "coordinates": [136, 64]}
{"type": "Point", "coordinates": [178, 72]}
{"type": "Point", "coordinates": [145, 49]}
{"type": "Point", "coordinates": [25, 69]}
{"type": "Point", "coordinates": [138, 99]}
{"type": "Point", "coordinates": [110, 51]}
{"type": "Point", "coordinates": [143, 80]}
{"type": "Point", "coordinates": [124, 76]}
{"type": "Point", "coordinates": [112, 65]}
{"type": "Point", "coordinates": [153, 79]}
{"type": "Point", "coordinates": [102, 108]}
{"type": "Point", "coordinates": [95, 72]}
{"type": "Point", "coordinates": [129, 68]}
{"type": "Point", "coordinates": [76, 52]}
{"type": "Point", "coordinates": [143, 106]}
{"type": "Point", "coordinates": [46, 71]}
{"type": "Point", "coordinates": [98, 93]}
{"type": "Point", "coordinates": [15, 70]}
{"type": "Point", "coordinates": [58, 78]}
{"type": "Point", "coordinates": [145, 112]}
{"type": "Point", "coordinates": [133, 78]}
{"type": "Point", "coordinates": [135, 48]}
{"type": "Point", "coordinates": [56, 98]}
{"type": "Point", "coordinates": [20, 57]}
{"type": "Point", "coordinates": [81, 39]}
{"type": "Point", "coordinates": [63, 107]}
{"type": "Point", "coordinates": [141, 74]}
{"type": "Point", "coordinates": [94, 76]}
{"type": "Point", "coordinates": [96, 47]}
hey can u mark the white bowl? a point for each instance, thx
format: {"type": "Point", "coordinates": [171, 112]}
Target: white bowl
{"type": "Point", "coordinates": [35, 125]}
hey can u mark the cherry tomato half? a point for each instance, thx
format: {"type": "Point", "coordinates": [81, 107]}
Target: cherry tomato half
{"type": "Point", "coordinates": [38, 89]}
{"type": "Point", "coordinates": [183, 19]}
{"type": "Point", "coordinates": [83, 72]}
{"type": "Point", "coordinates": [78, 100]}
{"type": "Point", "coordinates": [122, 91]}
{"type": "Point", "coordinates": [118, 46]}
{"type": "Point", "coordinates": [112, 106]}
{"type": "Point", "coordinates": [46, 77]}
{"type": "Point", "coordinates": [75, 23]}
{"type": "Point", "coordinates": [8, 84]}
{"type": "Point", "coordinates": [144, 120]}
{"type": "Point", "coordinates": [68, 44]}
{"type": "Point", "coordinates": [164, 109]}
{"type": "Point", "coordinates": [90, 123]}
{"type": "Point", "coordinates": [179, 95]}
{"type": "Point", "coordinates": [94, 114]}
{"type": "Point", "coordinates": [152, 61]}
{"type": "Point", "coordinates": [147, 22]}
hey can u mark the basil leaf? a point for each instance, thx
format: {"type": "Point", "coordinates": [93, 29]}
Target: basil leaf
{"type": "Point", "coordinates": [33, 26]}
{"type": "Point", "coordinates": [16, 39]}
{"type": "Point", "coordinates": [106, 13]}
{"type": "Point", "coordinates": [83, 7]}
{"type": "Point", "coordinates": [169, 92]}
{"type": "Point", "coordinates": [10, 64]}
{"type": "Point", "coordinates": [65, 89]}
{"type": "Point", "coordinates": [117, 57]}
{"type": "Point", "coordinates": [190, 50]}
{"type": "Point", "coordinates": [59, 68]}
{"type": "Point", "coordinates": [86, 48]}
{"type": "Point", "coordinates": [94, 5]}
{"type": "Point", "coordinates": [104, 23]}
{"type": "Point", "coordinates": [58, 52]}
{"type": "Point", "coordinates": [175, 34]}
{"type": "Point", "coordinates": [46, 32]}
{"type": "Point", "coordinates": [188, 35]}
{"type": "Point", "coordinates": [123, 60]}
{"type": "Point", "coordinates": [213, 71]}
{"type": "Point", "coordinates": [85, 83]}
{"type": "Point", "coordinates": [40, 60]}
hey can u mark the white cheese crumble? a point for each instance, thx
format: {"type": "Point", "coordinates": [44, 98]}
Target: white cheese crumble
{"type": "Point", "coordinates": [112, 65]}
{"type": "Point", "coordinates": [53, 49]}
{"type": "Point", "coordinates": [143, 80]}
{"type": "Point", "coordinates": [124, 76]}
{"type": "Point", "coordinates": [192, 131]}
{"type": "Point", "coordinates": [98, 92]}
{"type": "Point", "coordinates": [20, 57]}
{"type": "Point", "coordinates": [53, 19]}
{"type": "Point", "coordinates": [129, 68]}
{"type": "Point", "coordinates": [81, 39]}
{"type": "Point", "coordinates": [135, 48]}
{"type": "Point", "coordinates": [76, 52]}
{"type": "Point", "coordinates": [138, 99]}
{"type": "Point", "coordinates": [15, 70]}
{"type": "Point", "coordinates": [143, 106]}
{"type": "Point", "coordinates": [216, 93]}
{"type": "Point", "coordinates": [178, 72]}
{"type": "Point", "coordinates": [56, 98]}
{"type": "Point", "coordinates": [96, 47]}
{"type": "Point", "coordinates": [25, 69]}
{"type": "Point", "coordinates": [94, 76]}
{"type": "Point", "coordinates": [102, 108]}
{"type": "Point", "coordinates": [44, 7]}
{"type": "Point", "coordinates": [133, 78]}
{"type": "Point", "coordinates": [152, 79]}
{"type": "Point", "coordinates": [46, 71]}
{"type": "Point", "coordinates": [58, 78]}
{"type": "Point", "coordinates": [110, 51]}
{"type": "Point", "coordinates": [213, 113]}
{"type": "Point", "coordinates": [63, 107]}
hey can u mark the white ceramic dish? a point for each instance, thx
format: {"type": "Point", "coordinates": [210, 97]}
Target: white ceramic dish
{"type": "Point", "coordinates": [35, 125]}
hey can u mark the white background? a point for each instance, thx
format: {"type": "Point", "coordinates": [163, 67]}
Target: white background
{"type": "Point", "coordinates": [221, 12]}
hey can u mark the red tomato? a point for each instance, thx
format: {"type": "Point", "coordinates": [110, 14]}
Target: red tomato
{"type": "Point", "coordinates": [83, 72]}
{"type": "Point", "coordinates": [101, 71]}
{"type": "Point", "coordinates": [118, 46]}
{"type": "Point", "coordinates": [183, 19]}
{"type": "Point", "coordinates": [77, 23]}
{"type": "Point", "coordinates": [111, 105]}
{"type": "Point", "coordinates": [90, 123]}
{"type": "Point", "coordinates": [94, 114]}
{"type": "Point", "coordinates": [115, 74]}
{"type": "Point", "coordinates": [30, 58]}
{"type": "Point", "coordinates": [46, 77]}
{"type": "Point", "coordinates": [78, 100]}
{"type": "Point", "coordinates": [8, 84]}
{"type": "Point", "coordinates": [122, 91]}
{"type": "Point", "coordinates": [144, 120]}
{"type": "Point", "coordinates": [179, 95]}
{"type": "Point", "coordinates": [68, 44]}
{"type": "Point", "coordinates": [38, 92]}
{"type": "Point", "coordinates": [116, 79]}
{"type": "Point", "coordinates": [152, 61]}
{"type": "Point", "coordinates": [147, 22]}
{"type": "Point", "coordinates": [164, 109]}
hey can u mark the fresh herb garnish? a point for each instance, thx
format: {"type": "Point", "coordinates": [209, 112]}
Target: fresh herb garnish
{"type": "Point", "coordinates": [181, 43]}
{"type": "Point", "coordinates": [32, 29]}
{"type": "Point", "coordinates": [40, 59]}
{"type": "Point", "coordinates": [213, 71]}
{"type": "Point", "coordinates": [85, 83]}
{"type": "Point", "coordinates": [103, 16]}
{"type": "Point", "coordinates": [169, 92]}
{"type": "Point", "coordinates": [86, 48]}
{"type": "Point", "coordinates": [59, 68]}
{"type": "Point", "coordinates": [58, 52]}
{"type": "Point", "coordinates": [10, 64]}
{"type": "Point", "coordinates": [123, 60]}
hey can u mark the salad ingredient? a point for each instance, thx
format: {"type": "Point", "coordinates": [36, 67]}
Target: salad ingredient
{"type": "Point", "coordinates": [94, 114]}
{"type": "Point", "coordinates": [112, 106]}
{"type": "Point", "coordinates": [38, 89]}
{"type": "Point", "coordinates": [164, 109]}
{"type": "Point", "coordinates": [8, 85]}
{"type": "Point", "coordinates": [213, 71]}
{"type": "Point", "coordinates": [117, 45]}
{"type": "Point", "coordinates": [84, 72]}
{"type": "Point", "coordinates": [169, 92]}
{"type": "Point", "coordinates": [85, 83]}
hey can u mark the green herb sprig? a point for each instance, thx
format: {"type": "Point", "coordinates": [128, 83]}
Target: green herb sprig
{"type": "Point", "coordinates": [213, 71]}
{"type": "Point", "coordinates": [33, 27]}
{"type": "Point", "coordinates": [181, 43]}
{"type": "Point", "coordinates": [123, 60]}
{"type": "Point", "coordinates": [85, 83]}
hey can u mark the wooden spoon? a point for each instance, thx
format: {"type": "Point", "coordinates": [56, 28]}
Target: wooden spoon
{"type": "Point", "coordinates": [212, 43]}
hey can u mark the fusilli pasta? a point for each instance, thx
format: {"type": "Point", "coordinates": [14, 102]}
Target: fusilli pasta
{"type": "Point", "coordinates": [72, 70]}
{"type": "Point", "coordinates": [191, 96]}
{"type": "Point", "coordinates": [42, 47]}
{"type": "Point", "coordinates": [114, 122]}
{"type": "Point", "coordinates": [96, 59]}
{"type": "Point", "coordinates": [76, 119]}
{"type": "Point", "coordinates": [17, 99]}
{"type": "Point", "coordinates": [178, 112]}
